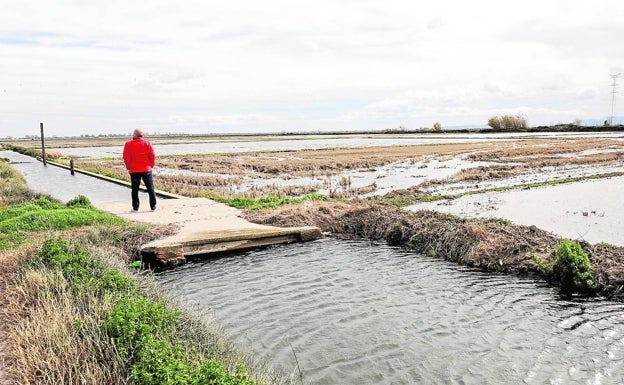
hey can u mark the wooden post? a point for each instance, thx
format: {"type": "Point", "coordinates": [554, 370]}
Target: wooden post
{"type": "Point", "coordinates": [71, 166]}
{"type": "Point", "coordinates": [42, 145]}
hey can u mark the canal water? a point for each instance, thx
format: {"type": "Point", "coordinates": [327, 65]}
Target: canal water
{"type": "Point", "coordinates": [58, 182]}
{"type": "Point", "coordinates": [354, 312]}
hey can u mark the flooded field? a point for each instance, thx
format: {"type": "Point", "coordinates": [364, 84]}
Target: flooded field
{"type": "Point", "coordinates": [590, 210]}
{"type": "Point", "coordinates": [404, 166]}
{"type": "Point", "coordinates": [450, 167]}
{"type": "Point", "coordinates": [184, 146]}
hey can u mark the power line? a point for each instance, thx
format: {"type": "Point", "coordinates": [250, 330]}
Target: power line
{"type": "Point", "coordinates": [613, 92]}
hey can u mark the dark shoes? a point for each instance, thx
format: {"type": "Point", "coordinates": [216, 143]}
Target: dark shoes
{"type": "Point", "coordinates": [137, 210]}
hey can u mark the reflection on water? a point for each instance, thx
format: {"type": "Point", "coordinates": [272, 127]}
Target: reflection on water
{"type": "Point", "coordinates": [358, 313]}
{"type": "Point", "coordinates": [60, 184]}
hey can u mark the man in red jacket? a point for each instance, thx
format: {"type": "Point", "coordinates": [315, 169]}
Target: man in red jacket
{"type": "Point", "coordinates": [139, 157]}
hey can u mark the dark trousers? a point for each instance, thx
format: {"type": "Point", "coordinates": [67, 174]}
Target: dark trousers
{"type": "Point", "coordinates": [148, 181]}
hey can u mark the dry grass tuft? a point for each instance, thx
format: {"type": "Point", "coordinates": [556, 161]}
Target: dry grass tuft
{"type": "Point", "coordinates": [48, 345]}
{"type": "Point", "coordinates": [608, 264]}
{"type": "Point", "coordinates": [124, 242]}
{"type": "Point", "coordinates": [39, 316]}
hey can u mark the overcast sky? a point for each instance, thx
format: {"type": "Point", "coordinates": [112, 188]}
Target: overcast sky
{"type": "Point", "coordinates": [99, 67]}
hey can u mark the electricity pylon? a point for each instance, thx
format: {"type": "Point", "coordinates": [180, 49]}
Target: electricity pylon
{"type": "Point", "coordinates": [613, 92]}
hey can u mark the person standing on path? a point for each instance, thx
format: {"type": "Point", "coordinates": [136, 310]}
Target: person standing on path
{"type": "Point", "coordinates": [140, 158]}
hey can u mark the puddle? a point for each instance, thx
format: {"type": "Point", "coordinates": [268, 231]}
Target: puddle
{"type": "Point", "coordinates": [394, 176]}
{"type": "Point", "coordinates": [545, 174]}
{"type": "Point", "coordinates": [591, 210]}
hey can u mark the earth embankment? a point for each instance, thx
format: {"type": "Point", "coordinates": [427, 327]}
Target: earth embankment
{"type": "Point", "coordinates": [490, 244]}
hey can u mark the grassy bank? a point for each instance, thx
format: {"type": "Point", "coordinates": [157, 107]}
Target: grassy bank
{"type": "Point", "coordinates": [74, 312]}
{"type": "Point", "coordinates": [492, 245]}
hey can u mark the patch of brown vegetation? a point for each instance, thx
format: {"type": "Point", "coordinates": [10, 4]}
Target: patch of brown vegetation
{"type": "Point", "coordinates": [532, 157]}
{"type": "Point", "coordinates": [514, 150]}
{"type": "Point", "coordinates": [12, 311]}
{"type": "Point", "coordinates": [492, 245]}
{"type": "Point", "coordinates": [294, 164]}
{"type": "Point", "coordinates": [227, 171]}
{"type": "Point", "coordinates": [225, 174]}
{"type": "Point", "coordinates": [608, 264]}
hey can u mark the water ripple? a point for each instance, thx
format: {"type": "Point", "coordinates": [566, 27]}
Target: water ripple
{"type": "Point", "coordinates": [359, 313]}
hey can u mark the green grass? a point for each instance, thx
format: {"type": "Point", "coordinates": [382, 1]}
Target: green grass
{"type": "Point", "coordinates": [13, 186]}
{"type": "Point", "coordinates": [269, 202]}
{"type": "Point", "coordinates": [144, 330]}
{"type": "Point", "coordinates": [44, 214]}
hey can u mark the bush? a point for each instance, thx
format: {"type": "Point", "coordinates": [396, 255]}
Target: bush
{"type": "Point", "coordinates": [573, 270]}
{"type": "Point", "coordinates": [508, 122]}
{"type": "Point", "coordinates": [495, 123]}
{"type": "Point", "coordinates": [80, 201]}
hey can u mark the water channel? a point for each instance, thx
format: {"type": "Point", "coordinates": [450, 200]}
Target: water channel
{"type": "Point", "coordinates": [360, 313]}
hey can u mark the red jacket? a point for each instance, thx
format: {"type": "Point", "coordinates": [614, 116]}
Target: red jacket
{"type": "Point", "coordinates": [139, 156]}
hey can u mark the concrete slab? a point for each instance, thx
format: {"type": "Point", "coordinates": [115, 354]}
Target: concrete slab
{"type": "Point", "coordinates": [205, 227]}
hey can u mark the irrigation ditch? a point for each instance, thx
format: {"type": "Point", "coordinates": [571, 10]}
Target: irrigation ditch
{"type": "Point", "coordinates": [493, 245]}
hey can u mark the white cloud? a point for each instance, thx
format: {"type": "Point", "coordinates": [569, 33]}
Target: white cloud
{"type": "Point", "coordinates": [270, 65]}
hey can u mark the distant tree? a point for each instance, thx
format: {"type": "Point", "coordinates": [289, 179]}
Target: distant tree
{"type": "Point", "coordinates": [495, 122]}
{"type": "Point", "coordinates": [507, 122]}
{"type": "Point", "coordinates": [437, 126]}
